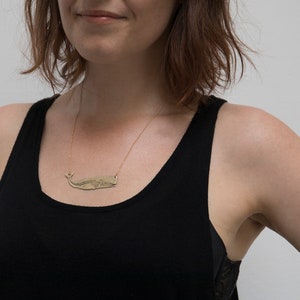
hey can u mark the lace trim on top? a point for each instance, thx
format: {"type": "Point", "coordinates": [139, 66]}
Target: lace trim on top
{"type": "Point", "coordinates": [226, 271]}
{"type": "Point", "coordinates": [225, 282]}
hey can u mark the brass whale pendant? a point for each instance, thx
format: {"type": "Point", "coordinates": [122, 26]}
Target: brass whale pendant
{"type": "Point", "coordinates": [95, 183]}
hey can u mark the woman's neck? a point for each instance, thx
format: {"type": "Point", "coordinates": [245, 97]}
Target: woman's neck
{"type": "Point", "coordinates": [124, 90]}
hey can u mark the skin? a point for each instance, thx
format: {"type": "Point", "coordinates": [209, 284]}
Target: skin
{"type": "Point", "coordinates": [254, 178]}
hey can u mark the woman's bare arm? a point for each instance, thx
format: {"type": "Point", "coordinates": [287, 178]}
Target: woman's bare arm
{"type": "Point", "coordinates": [254, 178]}
{"type": "Point", "coordinates": [277, 178]}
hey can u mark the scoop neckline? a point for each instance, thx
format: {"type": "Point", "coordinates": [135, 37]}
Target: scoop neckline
{"type": "Point", "coordinates": [136, 198]}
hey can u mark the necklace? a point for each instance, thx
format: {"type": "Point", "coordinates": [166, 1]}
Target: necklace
{"type": "Point", "coordinates": [99, 182]}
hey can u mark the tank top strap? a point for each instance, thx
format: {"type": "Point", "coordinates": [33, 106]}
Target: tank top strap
{"type": "Point", "coordinates": [27, 144]}
{"type": "Point", "coordinates": [199, 139]}
{"type": "Point", "coordinates": [202, 132]}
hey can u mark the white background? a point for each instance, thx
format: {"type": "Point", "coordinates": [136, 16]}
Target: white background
{"type": "Point", "coordinates": [271, 269]}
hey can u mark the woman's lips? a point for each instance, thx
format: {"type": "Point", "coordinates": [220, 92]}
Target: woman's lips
{"type": "Point", "coordinates": [99, 16]}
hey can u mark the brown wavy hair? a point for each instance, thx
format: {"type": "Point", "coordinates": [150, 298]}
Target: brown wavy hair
{"type": "Point", "coordinates": [201, 54]}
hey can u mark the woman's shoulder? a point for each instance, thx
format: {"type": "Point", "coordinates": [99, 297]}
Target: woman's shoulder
{"type": "Point", "coordinates": [246, 130]}
{"type": "Point", "coordinates": [12, 117]}
{"type": "Point", "coordinates": [11, 120]}
{"type": "Point", "coordinates": [252, 139]}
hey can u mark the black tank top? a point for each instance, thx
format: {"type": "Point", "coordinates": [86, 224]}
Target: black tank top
{"type": "Point", "coordinates": [159, 244]}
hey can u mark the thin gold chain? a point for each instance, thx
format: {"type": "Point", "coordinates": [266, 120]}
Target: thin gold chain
{"type": "Point", "coordinates": [130, 148]}
{"type": "Point", "coordinates": [73, 131]}
{"type": "Point", "coordinates": [136, 139]}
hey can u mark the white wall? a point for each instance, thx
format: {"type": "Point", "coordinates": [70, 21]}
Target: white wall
{"type": "Point", "coordinates": [271, 270]}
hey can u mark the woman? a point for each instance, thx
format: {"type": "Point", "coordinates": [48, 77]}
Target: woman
{"type": "Point", "coordinates": [135, 184]}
